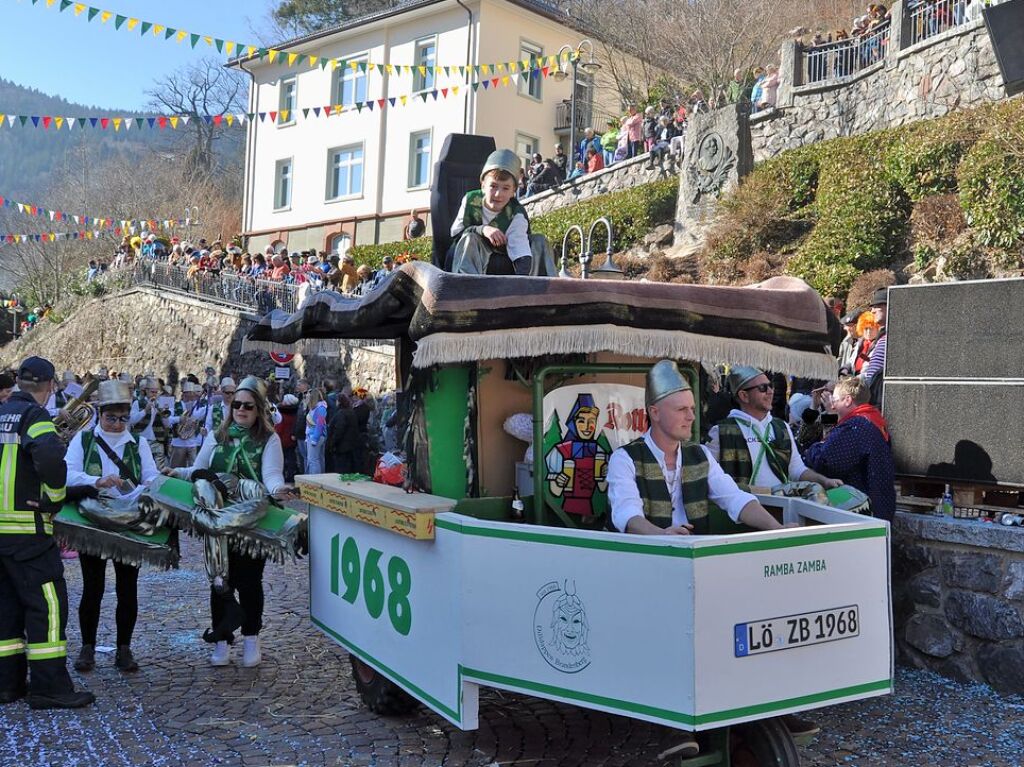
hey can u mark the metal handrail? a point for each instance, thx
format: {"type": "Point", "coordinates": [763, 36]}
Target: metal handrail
{"type": "Point", "coordinates": [833, 61]}
{"type": "Point", "coordinates": [934, 17]}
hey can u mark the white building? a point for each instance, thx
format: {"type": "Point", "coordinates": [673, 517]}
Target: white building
{"type": "Point", "coordinates": [352, 178]}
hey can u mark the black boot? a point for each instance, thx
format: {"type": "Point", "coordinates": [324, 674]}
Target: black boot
{"type": "Point", "coordinates": [124, 659]}
{"type": "Point", "coordinates": [9, 696]}
{"type": "Point", "coordinates": [86, 660]}
{"type": "Point", "coordinates": [73, 699]}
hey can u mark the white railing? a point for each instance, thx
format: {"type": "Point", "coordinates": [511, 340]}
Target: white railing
{"type": "Point", "coordinates": [257, 295]}
{"type": "Point", "coordinates": [836, 60]}
{"type": "Point", "coordinates": [932, 17]}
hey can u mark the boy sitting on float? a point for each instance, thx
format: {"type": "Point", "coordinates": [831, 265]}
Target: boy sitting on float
{"type": "Point", "coordinates": [491, 231]}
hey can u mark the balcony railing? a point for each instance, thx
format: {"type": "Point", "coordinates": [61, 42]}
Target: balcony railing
{"type": "Point", "coordinates": [563, 115]}
{"type": "Point", "coordinates": [834, 61]}
{"type": "Point", "coordinates": [932, 17]}
{"type": "Point", "coordinates": [255, 295]}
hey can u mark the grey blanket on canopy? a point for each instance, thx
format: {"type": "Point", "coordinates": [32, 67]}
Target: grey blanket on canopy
{"type": "Point", "coordinates": [780, 324]}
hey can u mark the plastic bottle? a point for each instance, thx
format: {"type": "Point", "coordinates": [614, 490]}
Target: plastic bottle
{"type": "Point", "coordinates": [947, 502]}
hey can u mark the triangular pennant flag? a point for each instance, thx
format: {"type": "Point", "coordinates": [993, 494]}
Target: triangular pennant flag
{"type": "Point", "coordinates": [152, 121]}
{"type": "Point", "coordinates": [403, 99]}
{"type": "Point", "coordinates": [546, 71]}
{"type": "Point", "coordinates": [476, 86]}
{"type": "Point", "coordinates": [46, 122]}
{"type": "Point", "coordinates": [291, 59]}
{"type": "Point", "coordinates": [369, 105]}
{"type": "Point", "coordinates": [359, 107]}
{"type": "Point", "coordinates": [81, 122]}
{"type": "Point", "coordinates": [316, 111]}
{"type": "Point", "coordinates": [174, 122]}
{"type": "Point", "coordinates": [117, 124]}
{"type": "Point", "coordinates": [273, 117]}
{"type": "Point", "coordinates": [180, 35]}
{"type": "Point", "coordinates": [193, 39]}
{"type": "Point", "coordinates": [64, 5]}
{"type": "Point", "coordinates": [35, 121]}
{"type": "Point", "coordinates": [392, 101]}
{"type": "Point", "coordinates": [93, 121]}
{"type": "Point", "coordinates": [494, 82]}
{"type": "Point", "coordinates": [272, 54]}
{"type": "Point", "coordinates": [145, 27]}
{"type": "Point", "coordinates": [105, 16]}
{"type": "Point", "coordinates": [169, 33]}
{"type": "Point", "coordinates": [262, 116]}
{"type": "Point", "coordinates": [208, 40]}
{"type": "Point", "coordinates": [486, 84]}
{"type": "Point", "coordinates": [59, 122]}
{"type": "Point", "coordinates": [504, 80]}
{"type": "Point", "coordinates": [229, 119]}
{"type": "Point", "coordinates": [305, 113]}
{"type": "Point", "coordinates": [185, 119]}
{"type": "Point", "coordinates": [434, 95]}
{"type": "Point", "coordinates": [158, 29]}
{"type": "Point", "coordinates": [140, 120]}
{"type": "Point", "coordinates": [218, 119]}
{"type": "Point", "coordinates": [381, 103]}
{"type": "Point", "coordinates": [455, 90]}
{"type": "Point", "coordinates": [208, 119]}
{"type": "Point", "coordinates": [119, 20]}
{"type": "Point", "coordinates": [92, 13]}
{"type": "Point", "coordinates": [424, 96]}
{"type": "Point", "coordinates": [104, 122]}
{"type": "Point", "coordinates": [229, 47]}
{"type": "Point", "coordinates": [127, 123]}
{"type": "Point", "coordinates": [132, 23]}
{"type": "Point", "coordinates": [219, 44]}
{"type": "Point", "coordinates": [312, 61]}
{"type": "Point", "coordinates": [389, 69]}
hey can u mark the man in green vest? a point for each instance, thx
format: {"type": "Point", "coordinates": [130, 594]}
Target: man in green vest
{"type": "Point", "coordinates": [661, 485]}
{"type": "Point", "coordinates": [491, 231]}
{"type": "Point", "coordinates": [752, 447]}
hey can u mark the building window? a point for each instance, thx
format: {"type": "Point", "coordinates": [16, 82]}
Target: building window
{"type": "Point", "coordinates": [340, 244]}
{"type": "Point", "coordinates": [426, 57]}
{"type": "Point", "coordinates": [344, 172]}
{"type": "Point", "coordinates": [419, 159]}
{"type": "Point", "coordinates": [350, 83]}
{"type": "Point", "coordinates": [526, 148]}
{"type": "Point", "coordinates": [531, 86]}
{"type": "Point", "coordinates": [288, 98]}
{"type": "Point", "coordinates": [283, 184]}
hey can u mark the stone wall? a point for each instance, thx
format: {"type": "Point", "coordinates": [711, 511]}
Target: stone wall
{"type": "Point", "coordinates": [953, 70]}
{"type": "Point", "coordinates": [149, 330]}
{"type": "Point", "coordinates": [958, 596]}
{"type": "Point", "coordinates": [622, 175]}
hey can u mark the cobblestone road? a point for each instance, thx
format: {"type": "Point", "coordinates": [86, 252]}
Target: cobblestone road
{"type": "Point", "coordinates": [300, 708]}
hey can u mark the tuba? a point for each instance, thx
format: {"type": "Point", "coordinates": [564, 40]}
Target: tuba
{"type": "Point", "coordinates": [76, 414]}
{"type": "Point", "coordinates": [187, 426]}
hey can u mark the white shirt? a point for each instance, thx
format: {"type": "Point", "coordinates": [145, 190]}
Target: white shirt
{"type": "Point", "coordinates": [200, 411]}
{"type": "Point", "coordinates": [624, 496]}
{"type": "Point", "coordinates": [138, 414]}
{"type": "Point", "coordinates": [765, 476]}
{"type": "Point", "coordinates": [518, 231]}
{"type": "Point", "coordinates": [272, 468]}
{"type": "Point", "coordinates": [75, 458]}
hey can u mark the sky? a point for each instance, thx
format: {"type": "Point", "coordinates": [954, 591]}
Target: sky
{"type": "Point", "coordinates": [94, 64]}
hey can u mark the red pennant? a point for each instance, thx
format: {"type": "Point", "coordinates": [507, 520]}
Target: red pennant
{"type": "Point", "coordinates": [328, 110]}
{"type": "Point", "coordinates": [444, 92]}
{"type": "Point", "coordinates": [381, 102]}
{"type": "Point", "coordinates": [218, 119]}
{"type": "Point", "coordinates": [273, 116]}
{"type": "Point", "coordinates": [495, 82]}
{"type": "Point", "coordinates": [104, 122]}
{"type": "Point", "coordinates": [46, 122]}
{"type": "Point", "coordinates": [162, 122]}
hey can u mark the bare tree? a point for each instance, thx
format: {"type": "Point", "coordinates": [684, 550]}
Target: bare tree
{"type": "Point", "coordinates": [197, 90]}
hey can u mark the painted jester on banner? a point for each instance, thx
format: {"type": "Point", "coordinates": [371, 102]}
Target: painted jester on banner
{"type": "Point", "coordinates": [600, 418]}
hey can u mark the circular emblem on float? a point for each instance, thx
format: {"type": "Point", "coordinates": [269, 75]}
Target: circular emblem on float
{"type": "Point", "coordinates": [282, 358]}
{"type": "Point", "coordinates": [560, 627]}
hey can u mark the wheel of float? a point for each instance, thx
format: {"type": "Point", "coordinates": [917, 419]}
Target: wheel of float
{"type": "Point", "coordinates": [764, 743]}
{"type": "Point", "coordinates": [378, 693]}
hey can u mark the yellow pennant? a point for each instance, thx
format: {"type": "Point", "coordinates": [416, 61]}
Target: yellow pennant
{"type": "Point", "coordinates": [230, 119]}
{"type": "Point", "coordinates": [59, 122]}
{"type": "Point", "coordinates": [423, 71]}
{"type": "Point", "coordinates": [403, 99]}
{"type": "Point", "coordinates": [291, 59]}
{"type": "Point", "coordinates": [504, 80]}
{"type": "Point", "coordinates": [272, 54]}
{"type": "Point", "coordinates": [455, 90]}
{"type": "Point", "coordinates": [389, 69]}
{"type": "Point", "coordinates": [158, 29]}
{"type": "Point", "coordinates": [2, 120]}
{"type": "Point", "coordinates": [484, 69]}
{"type": "Point", "coordinates": [79, 7]}
{"type": "Point", "coordinates": [500, 67]}
{"type": "Point", "coordinates": [513, 67]}
{"type": "Point", "coordinates": [88, 235]}
{"type": "Point", "coordinates": [174, 123]}
{"type": "Point", "coordinates": [283, 115]}
{"type": "Point", "coordinates": [229, 47]}
{"type": "Point", "coordinates": [49, 3]}
{"type": "Point", "coordinates": [105, 16]}
{"type": "Point", "coordinates": [250, 50]}
{"type": "Point", "coordinates": [353, 65]}
{"type": "Point", "coordinates": [313, 61]}
{"type": "Point", "coordinates": [117, 124]}
{"type": "Point", "coordinates": [437, 70]}
{"type": "Point", "coordinates": [132, 23]}
{"type": "Point", "coordinates": [208, 40]}
{"type": "Point", "coordinates": [182, 34]}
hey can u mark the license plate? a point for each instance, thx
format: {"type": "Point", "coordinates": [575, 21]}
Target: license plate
{"type": "Point", "coordinates": [789, 631]}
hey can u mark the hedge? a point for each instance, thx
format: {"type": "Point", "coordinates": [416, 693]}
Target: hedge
{"type": "Point", "coordinates": [992, 193]}
{"type": "Point", "coordinates": [634, 212]}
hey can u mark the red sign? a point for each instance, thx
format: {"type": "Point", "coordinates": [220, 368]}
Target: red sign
{"type": "Point", "coordinates": [282, 358]}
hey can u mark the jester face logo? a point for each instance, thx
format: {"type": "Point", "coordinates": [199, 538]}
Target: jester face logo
{"type": "Point", "coordinates": [561, 629]}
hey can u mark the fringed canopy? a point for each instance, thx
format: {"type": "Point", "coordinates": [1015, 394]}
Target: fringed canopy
{"type": "Point", "coordinates": [780, 324]}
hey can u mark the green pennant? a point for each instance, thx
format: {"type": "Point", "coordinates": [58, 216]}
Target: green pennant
{"type": "Point", "coordinates": [476, 86]}
{"type": "Point", "coordinates": [261, 52]}
{"type": "Point", "coordinates": [324, 63]}
{"type": "Point", "coordinates": [305, 112]}
{"type": "Point", "coordinates": [139, 121]}
{"type": "Point", "coordinates": [362, 66]}
{"type": "Point", "coordinates": [169, 33]}
{"type": "Point", "coordinates": [194, 38]}
{"type": "Point", "coordinates": [81, 122]}
{"type": "Point", "coordinates": [92, 12]}
{"type": "Point", "coordinates": [251, 116]}
{"type": "Point", "coordinates": [219, 43]}
{"type": "Point", "coordinates": [119, 20]}
{"type": "Point", "coordinates": [144, 27]}
{"type": "Point", "coordinates": [424, 96]}
{"type": "Point", "coordinates": [23, 119]}
{"type": "Point", "coordinates": [64, 4]}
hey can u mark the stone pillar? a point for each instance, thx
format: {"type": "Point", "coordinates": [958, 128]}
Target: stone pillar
{"type": "Point", "coordinates": [899, 32]}
{"type": "Point", "coordinates": [790, 72]}
{"type": "Point", "coordinates": [717, 154]}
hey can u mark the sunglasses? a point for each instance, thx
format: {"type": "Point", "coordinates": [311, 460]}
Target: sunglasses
{"type": "Point", "coordinates": [763, 388]}
{"type": "Point", "coordinates": [227, 392]}
{"type": "Point", "coordinates": [117, 418]}
{"type": "Point", "coordinates": [247, 406]}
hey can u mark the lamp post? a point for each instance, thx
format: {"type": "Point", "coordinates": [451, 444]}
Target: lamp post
{"type": "Point", "coordinates": [590, 67]}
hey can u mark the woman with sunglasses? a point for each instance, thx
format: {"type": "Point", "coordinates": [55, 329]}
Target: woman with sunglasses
{"type": "Point", "coordinates": [107, 457]}
{"type": "Point", "coordinates": [247, 445]}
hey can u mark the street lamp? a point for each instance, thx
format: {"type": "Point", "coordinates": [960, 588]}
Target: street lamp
{"type": "Point", "coordinates": [590, 67]}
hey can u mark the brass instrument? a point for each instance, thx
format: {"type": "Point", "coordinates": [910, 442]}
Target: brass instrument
{"type": "Point", "coordinates": [187, 426]}
{"type": "Point", "coordinates": [76, 414]}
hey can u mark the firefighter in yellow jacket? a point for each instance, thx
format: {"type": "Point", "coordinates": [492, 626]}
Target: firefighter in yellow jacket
{"type": "Point", "coordinates": [33, 594]}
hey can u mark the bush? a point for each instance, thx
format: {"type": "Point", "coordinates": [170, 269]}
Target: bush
{"type": "Point", "coordinates": [936, 220]}
{"type": "Point", "coordinates": [373, 255]}
{"type": "Point", "coordinates": [992, 192]}
{"type": "Point", "coordinates": [794, 174]}
{"type": "Point", "coordinates": [862, 217]}
{"type": "Point", "coordinates": [865, 285]}
{"type": "Point", "coordinates": [923, 157]}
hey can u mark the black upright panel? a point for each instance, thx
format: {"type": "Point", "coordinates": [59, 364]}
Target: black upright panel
{"type": "Point", "coordinates": [954, 383]}
{"type": "Point", "coordinates": [1005, 24]}
{"type": "Point", "coordinates": [456, 172]}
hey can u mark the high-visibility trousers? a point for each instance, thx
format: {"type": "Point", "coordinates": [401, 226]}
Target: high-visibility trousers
{"type": "Point", "coordinates": [33, 616]}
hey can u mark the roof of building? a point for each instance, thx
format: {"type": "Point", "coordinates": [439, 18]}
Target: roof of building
{"type": "Point", "coordinates": [536, 6]}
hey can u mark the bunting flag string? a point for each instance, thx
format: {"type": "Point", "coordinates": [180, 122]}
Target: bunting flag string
{"type": "Point", "coordinates": [85, 234]}
{"type": "Point", "coordinates": [97, 222]}
{"type": "Point", "coordinates": [175, 122]}
{"type": "Point", "coordinates": [166, 33]}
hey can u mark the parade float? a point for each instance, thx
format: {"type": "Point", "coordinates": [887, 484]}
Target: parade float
{"type": "Point", "coordinates": [495, 568]}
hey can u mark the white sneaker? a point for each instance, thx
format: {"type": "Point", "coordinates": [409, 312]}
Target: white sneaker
{"type": "Point", "coordinates": [220, 655]}
{"type": "Point", "coordinates": [251, 655]}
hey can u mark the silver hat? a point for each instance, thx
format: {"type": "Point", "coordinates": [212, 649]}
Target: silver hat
{"type": "Point", "coordinates": [114, 393]}
{"type": "Point", "coordinates": [740, 376]}
{"type": "Point", "coordinates": [502, 159]}
{"type": "Point", "coordinates": [662, 380]}
{"type": "Point", "coordinates": [254, 385]}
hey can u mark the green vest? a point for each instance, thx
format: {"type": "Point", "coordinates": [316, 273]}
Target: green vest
{"type": "Point", "coordinates": [654, 492]}
{"type": "Point", "coordinates": [241, 456]}
{"type": "Point", "coordinates": [218, 415]}
{"type": "Point", "coordinates": [474, 215]}
{"type": "Point", "coordinates": [734, 455]}
{"type": "Point", "coordinates": [92, 463]}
